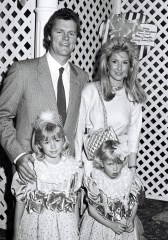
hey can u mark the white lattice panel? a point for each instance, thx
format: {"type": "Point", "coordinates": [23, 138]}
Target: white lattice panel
{"type": "Point", "coordinates": [3, 204]}
{"type": "Point", "coordinates": [17, 26]}
{"type": "Point", "coordinates": [153, 154]}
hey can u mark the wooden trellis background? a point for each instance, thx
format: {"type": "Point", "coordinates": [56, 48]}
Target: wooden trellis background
{"type": "Point", "coordinates": [17, 26]}
{"type": "Point", "coordinates": [153, 152]}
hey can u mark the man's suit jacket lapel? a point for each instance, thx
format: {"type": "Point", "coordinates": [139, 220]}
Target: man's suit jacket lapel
{"type": "Point", "coordinates": [45, 81]}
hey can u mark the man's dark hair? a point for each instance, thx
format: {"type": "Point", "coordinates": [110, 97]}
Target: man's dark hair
{"type": "Point", "coordinates": [65, 14]}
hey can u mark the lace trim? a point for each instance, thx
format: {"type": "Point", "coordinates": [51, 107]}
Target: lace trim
{"type": "Point", "coordinates": [117, 188]}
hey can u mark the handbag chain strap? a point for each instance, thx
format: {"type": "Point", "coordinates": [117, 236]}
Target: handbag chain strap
{"type": "Point", "coordinates": [102, 101]}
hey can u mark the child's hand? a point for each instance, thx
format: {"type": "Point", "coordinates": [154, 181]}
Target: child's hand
{"type": "Point", "coordinates": [118, 228]}
{"type": "Point", "coordinates": [130, 226]}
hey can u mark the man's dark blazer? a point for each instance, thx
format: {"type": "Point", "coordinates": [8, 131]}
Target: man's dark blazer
{"type": "Point", "coordinates": [27, 91]}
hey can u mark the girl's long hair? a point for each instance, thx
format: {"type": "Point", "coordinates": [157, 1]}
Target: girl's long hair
{"type": "Point", "coordinates": [131, 83]}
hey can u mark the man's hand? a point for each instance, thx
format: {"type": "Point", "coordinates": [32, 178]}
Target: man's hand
{"type": "Point", "coordinates": [24, 170]}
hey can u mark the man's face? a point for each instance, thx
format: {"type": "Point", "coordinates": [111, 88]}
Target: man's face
{"type": "Point", "coordinates": [63, 39]}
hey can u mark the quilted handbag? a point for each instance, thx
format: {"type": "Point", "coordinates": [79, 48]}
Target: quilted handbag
{"type": "Point", "coordinates": [95, 138]}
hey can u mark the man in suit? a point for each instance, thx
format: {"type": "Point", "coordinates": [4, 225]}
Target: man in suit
{"type": "Point", "coordinates": [31, 87]}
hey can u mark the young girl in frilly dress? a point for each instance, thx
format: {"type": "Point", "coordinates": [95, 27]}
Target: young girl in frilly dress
{"type": "Point", "coordinates": [113, 195]}
{"type": "Point", "coordinates": [48, 209]}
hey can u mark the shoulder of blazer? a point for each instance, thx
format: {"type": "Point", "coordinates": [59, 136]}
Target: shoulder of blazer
{"type": "Point", "coordinates": [32, 63]}
{"type": "Point", "coordinates": [77, 70]}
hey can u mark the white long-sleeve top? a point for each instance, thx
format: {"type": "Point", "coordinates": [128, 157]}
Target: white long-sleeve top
{"type": "Point", "coordinates": [124, 116]}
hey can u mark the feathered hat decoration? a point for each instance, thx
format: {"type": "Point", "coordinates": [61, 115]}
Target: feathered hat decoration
{"type": "Point", "coordinates": [47, 117]}
{"type": "Point", "coordinates": [121, 153]}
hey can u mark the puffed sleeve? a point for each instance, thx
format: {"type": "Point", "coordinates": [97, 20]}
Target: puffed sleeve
{"type": "Point", "coordinates": [93, 193]}
{"type": "Point", "coordinates": [20, 189]}
{"type": "Point", "coordinates": [135, 127]}
{"type": "Point", "coordinates": [137, 190]}
{"type": "Point", "coordinates": [76, 181]}
{"type": "Point", "coordinates": [98, 199]}
{"type": "Point", "coordinates": [79, 138]}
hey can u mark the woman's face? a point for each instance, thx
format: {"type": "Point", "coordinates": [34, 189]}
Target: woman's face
{"type": "Point", "coordinates": [118, 66]}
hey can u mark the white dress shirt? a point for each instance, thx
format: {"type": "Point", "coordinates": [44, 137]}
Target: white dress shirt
{"type": "Point", "coordinates": [54, 70]}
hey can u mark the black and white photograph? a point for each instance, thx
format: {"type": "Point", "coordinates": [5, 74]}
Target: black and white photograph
{"type": "Point", "coordinates": [83, 120]}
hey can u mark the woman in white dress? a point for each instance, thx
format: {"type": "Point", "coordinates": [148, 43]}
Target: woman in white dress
{"type": "Point", "coordinates": [122, 96]}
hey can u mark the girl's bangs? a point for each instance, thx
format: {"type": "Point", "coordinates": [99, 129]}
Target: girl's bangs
{"type": "Point", "coordinates": [56, 132]}
{"type": "Point", "coordinates": [113, 156]}
{"type": "Point", "coordinates": [116, 159]}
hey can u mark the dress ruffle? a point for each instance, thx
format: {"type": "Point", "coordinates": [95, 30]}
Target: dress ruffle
{"type": "Point", "coordinates": [113, 198]}
{"type": "Point", "coordinates": [52, 180]}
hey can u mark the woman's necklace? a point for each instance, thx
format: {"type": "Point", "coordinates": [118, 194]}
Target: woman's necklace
{"type": "Point", "coordinates": [114, 89]}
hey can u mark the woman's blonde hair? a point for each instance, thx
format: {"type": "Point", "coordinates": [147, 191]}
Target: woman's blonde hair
{"type": "Point", "coordinates": [131, 82]}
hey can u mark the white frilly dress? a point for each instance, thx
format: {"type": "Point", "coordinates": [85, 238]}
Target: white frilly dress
{"type": "Point", "coordinates": [113, 199]}
{"type": "Point", "coordinates": [50, 202]}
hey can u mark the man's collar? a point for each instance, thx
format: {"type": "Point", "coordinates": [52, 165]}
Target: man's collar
{"type": "Point", "coordinates": [54, 62]}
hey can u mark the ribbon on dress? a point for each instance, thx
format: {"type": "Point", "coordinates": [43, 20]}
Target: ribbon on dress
{"type": "Point", "coordinates": [55, 200]}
